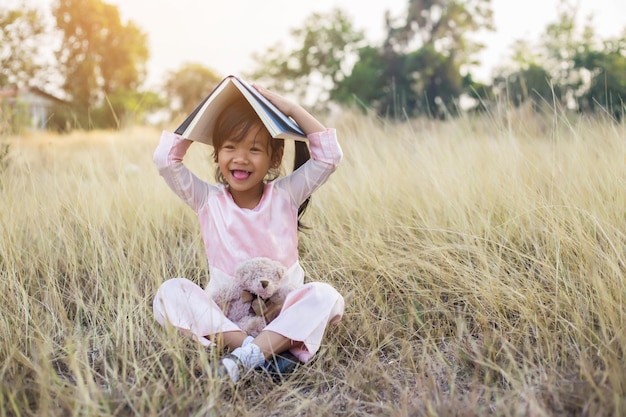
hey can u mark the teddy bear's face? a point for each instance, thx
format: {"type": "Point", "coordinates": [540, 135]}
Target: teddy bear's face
{"type": "Point", "coordinates": [262, 285]}
{"type": "Point", "coordinates": [261, 276]}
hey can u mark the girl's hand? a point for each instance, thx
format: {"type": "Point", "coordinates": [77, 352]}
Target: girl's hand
{"type": "Point", "coordinates": [303, 118]}
{"type": "Point", "coordinates": [283, 104]}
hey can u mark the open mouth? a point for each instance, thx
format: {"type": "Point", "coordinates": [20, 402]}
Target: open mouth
{"type": "Point", "coordinates": [240, 175]}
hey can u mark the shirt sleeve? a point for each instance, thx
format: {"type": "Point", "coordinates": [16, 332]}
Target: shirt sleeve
{"type": "Point", "coordinates": [326, 154]}
{"type": "Point", "coordinates": [325, 148]}
{"type": "Point", "coordinates": [168, 158]}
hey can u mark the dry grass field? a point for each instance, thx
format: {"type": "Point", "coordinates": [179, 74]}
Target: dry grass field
{"type": "Point", "coordinates": [484, 262]}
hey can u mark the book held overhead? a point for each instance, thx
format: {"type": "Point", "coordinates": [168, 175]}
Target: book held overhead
{"type": "Point", "coordinates": [198, 126]}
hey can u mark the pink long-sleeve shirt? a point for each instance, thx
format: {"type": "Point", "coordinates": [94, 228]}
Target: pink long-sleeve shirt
{"type": "Point", "coordinates": [233, 234]}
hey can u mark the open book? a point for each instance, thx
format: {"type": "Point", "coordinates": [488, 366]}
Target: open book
{"type": "Point", "coordinates": [198, 126]}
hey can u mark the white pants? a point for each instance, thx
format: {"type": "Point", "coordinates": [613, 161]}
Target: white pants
{"type": "Point", "coordinates": [306, 313]}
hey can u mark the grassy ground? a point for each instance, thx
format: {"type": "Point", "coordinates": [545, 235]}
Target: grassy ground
{"type": "Point", "coordinates": [483, 260]}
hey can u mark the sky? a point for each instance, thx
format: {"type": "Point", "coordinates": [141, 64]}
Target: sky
{"type": "Point", "coordinates": [223, 34]}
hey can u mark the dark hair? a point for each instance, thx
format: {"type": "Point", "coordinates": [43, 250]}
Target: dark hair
{"type": "Point", "coordinates": [234, 122]}
{"type": "Point", "coordinates": [301, 155]}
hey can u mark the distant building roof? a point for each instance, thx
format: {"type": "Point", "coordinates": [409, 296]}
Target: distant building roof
{"type": "Point", "coordinates": [28, 107]}
{"type": "Point", "coordinates": [15, 92]}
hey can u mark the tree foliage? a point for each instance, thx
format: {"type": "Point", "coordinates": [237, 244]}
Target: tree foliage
{"type": "Point", "coordinates": [22, 30]}
{"type": "Point", "coordinates": [418, 67]}
{"type": "Point", "coordinates": [570, 67]}
{"type": "Point", "coordinates": [606, 68]}
{"type": "Point", "coordinates": [378, 81]}
{"type": "Point", "coordinates": [402, 85]}
{"type": "Point", "coordinates": [188, 85]}
{"type": "Point", "coordinates": [416, 70]}
{"type": "Point", "coordinates": [103, 60]}
{"type": "Point", "coordinates": [328, 45]}
{"type": "Point", "coordinates": [366, 81]}
{"type": "Point", "coordinates": [532, 83]}
{"type": "Point", "coordinates": [442, 25]}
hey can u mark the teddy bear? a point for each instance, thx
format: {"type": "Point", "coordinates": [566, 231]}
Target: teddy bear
{"type": "Point", "coordinates": [257, 295]}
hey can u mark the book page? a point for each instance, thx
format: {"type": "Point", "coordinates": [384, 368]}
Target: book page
{"type": "Point", "coordinates": [200, 129]}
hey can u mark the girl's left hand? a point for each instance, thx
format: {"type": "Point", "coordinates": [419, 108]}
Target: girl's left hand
{"type": "Point", "coordinates": [303, 118]}
{"type": "Point", "coordinates": [285, 105]}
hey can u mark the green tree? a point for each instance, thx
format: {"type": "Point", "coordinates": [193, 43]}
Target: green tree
{"type": "Point", "coordinates": [436, 36]}
{"type": "Point", "coordinates": [482, 94]}
{"type": "Point", "coordinates": [532, 83]}
{"type": "Point", "coordinates": [543, 73]}
{"type": "Point", "coordinates": [188, 85]}
{"type": "Point", "coordinates": [365, 83]}
{"type": "Point", "coordinates": [560, 42]}
{"type": "Point", "coordinates": [419, 65]}
{"type": "Point", "coordinates": [569, 66]}
{"type": "Point", "coordinates": [102, 59]}
{"type": "Point", "coordinates": [436, 81]}
{"type": "Point", "coordinates": [22, 30]}
{"type": "Point", "coordinates": [328, 45]}
{"type": "Point", "coordinates": [443, 25]}
{"type": "Point", "coordinates": [606, 70]}
{"type": "Point", "coordinates": [378, 82]}
{"type": "Point", "coordinates": [591, 71]}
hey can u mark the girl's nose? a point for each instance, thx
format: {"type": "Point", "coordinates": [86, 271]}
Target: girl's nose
{"type": "Point", "coordinates": [240, 157]}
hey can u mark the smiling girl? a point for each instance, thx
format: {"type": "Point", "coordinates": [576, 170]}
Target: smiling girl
{"type": "Point", "coordinates": [251, 212]}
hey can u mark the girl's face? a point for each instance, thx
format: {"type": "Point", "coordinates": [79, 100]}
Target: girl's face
{"type": "Point", "coordinates": [244, 164]}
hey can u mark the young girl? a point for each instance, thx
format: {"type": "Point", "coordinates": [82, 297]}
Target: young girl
{"type": "Point", "coordinates": [250, 214]}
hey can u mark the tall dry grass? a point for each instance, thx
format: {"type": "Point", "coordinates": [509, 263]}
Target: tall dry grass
{"type": "Point", "coordinates": [484, 261]}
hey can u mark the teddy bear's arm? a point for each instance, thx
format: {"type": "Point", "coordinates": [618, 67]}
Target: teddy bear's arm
{"type": "Point", "coordinates": [246, 296]}
{"type": "Point", "coordinates": [259, 307]}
